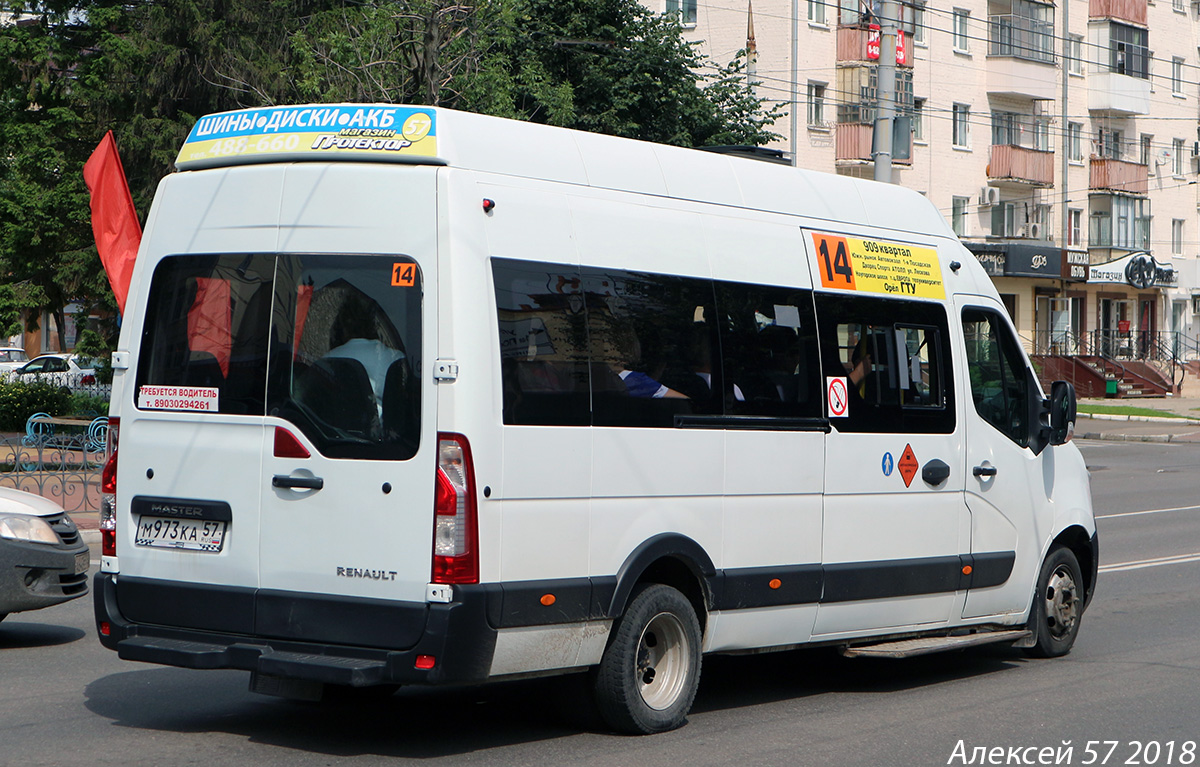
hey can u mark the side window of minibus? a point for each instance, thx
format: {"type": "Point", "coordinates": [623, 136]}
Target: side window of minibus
{"type": "Point", "coordinates": [647, 335]}
{"type": "Point", "coordinates": [543, 343]}
{"type": "Point", "coordinates": [999, 386]}
{"type": "Point", "coordinates": [769, 351]}
{"type": "Point", "coordinates": [891, 354]}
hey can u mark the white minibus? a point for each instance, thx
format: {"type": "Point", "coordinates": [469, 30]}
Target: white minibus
{"type": "Point", "coordinates": [405, 395]}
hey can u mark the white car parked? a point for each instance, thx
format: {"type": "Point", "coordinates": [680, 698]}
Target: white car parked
{"type": "Point", "coordinates": [11, 358]}
{"type": "Point", "coordinates": [70, 370]}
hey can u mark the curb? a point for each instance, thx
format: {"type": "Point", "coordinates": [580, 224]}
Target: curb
{"type": "Point", "coordinates": [1127, 437]}
{"type": "Point", "coordinates": [90, 536]}
{"type": "Point", "coordinates": [1140, 418]}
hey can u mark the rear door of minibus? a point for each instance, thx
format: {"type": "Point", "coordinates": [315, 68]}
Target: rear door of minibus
{"type": "Point", "coordinates": [316, 453]}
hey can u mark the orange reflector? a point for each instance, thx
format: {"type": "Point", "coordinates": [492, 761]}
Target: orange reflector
{"type": "Point", "coordinates": [548, 599]}
{"type": "Point", "coordinates": [105, 628]}
{"type": "Point", "coordinates": [775, 583]}
{"type": "Point", "coordinates": [966, 569]}
{"type": "Point", "coordinates": [425, 662]}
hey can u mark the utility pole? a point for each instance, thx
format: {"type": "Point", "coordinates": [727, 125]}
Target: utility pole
{"type": "Point", "coordinates": [1064, 148]}
{"type": "Point", "coordinates": [886, 91]}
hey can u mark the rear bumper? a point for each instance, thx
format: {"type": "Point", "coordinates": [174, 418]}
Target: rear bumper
{"type": "Point", "coordinates": [457, 635]}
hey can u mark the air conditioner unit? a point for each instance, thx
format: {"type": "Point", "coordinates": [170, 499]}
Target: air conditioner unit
{"type": "Point", "coordinates": [989, 195]}
{"type": "Point", "coordinates": [1034, 231]}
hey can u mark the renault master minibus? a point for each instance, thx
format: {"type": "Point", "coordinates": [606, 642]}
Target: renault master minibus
{"type": "Point", "coordinates": [405, 395]}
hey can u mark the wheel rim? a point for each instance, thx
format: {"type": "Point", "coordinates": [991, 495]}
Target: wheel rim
{"type": "Point", "coordinates": [1062, 602]}
{"type": "Point", "coordinates": [663, 663]}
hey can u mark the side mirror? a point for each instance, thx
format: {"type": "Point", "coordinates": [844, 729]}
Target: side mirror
{"type": "Point", "coordinates": [1062, 412]}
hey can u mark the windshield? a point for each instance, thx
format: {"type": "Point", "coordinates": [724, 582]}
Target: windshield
{"type": "Point", "coordinates": [331, 343]}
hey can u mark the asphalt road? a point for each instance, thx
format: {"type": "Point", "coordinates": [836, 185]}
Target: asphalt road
{"type": "Point", "coordinates": [1134, 676]}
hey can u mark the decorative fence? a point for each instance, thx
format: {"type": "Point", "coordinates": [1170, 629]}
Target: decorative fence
{"type": "Point", "coordinates": [57, 458]}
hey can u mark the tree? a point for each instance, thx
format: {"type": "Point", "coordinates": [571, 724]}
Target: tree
{"type": "Point", "coordinates": [609, 66]}
{"type": "Point", "coordinates": [46, 252]}
{"type": "Point", "coordinates": [615, 67]}
{"type": "Point", "coordinates": [148, 69]}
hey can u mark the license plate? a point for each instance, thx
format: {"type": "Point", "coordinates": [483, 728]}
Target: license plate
{"type": "Point", "coordinates": [188, 534]}
{"type": "Point", "coordinates": [83, 560]}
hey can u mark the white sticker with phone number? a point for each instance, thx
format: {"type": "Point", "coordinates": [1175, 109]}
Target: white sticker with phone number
{"type": "Point", "coordinates": [201, 399]}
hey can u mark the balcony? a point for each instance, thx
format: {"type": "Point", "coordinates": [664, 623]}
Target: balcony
{"type": "Point", "coordinates": [1118, 95]}
{"type": "Point", "coordinates": [1021, 165]}
{"type": "Point", "coordinates": [1133, 11]}
{"type": "Point", "coordinates": [1021, 58]}
{"type": "Point", "coordinates": [1118, 176]}
{"type": "Point", "coordinates": [1021, 78]}
{"type": "Point", "coordinates": [852, 45]}
{"type": "Point", "coordinates": [853, 144]}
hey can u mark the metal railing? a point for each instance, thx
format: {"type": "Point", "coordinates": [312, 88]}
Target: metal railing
{"type": "Point", "coordinates": [1167, 350]}
{"type": "Point", "coordinates": [1141, 345]}
{"type": "Point", "coordinates": [64, 467]}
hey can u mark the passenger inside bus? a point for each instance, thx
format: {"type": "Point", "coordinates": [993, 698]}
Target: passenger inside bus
{"type": "Point", "coordinates": [628, 357]}
{"type": "Point", "coordinates": [354, 336]}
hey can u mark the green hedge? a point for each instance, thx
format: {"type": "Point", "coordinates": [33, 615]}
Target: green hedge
{"type": "Point", "coordinates": [19, 400]}
{"type": "Point", "coordinates": [87, 405]}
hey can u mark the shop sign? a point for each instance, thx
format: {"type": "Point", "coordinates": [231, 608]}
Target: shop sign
{"type": "Point", "coordinates": [1077, 265]}
{"type": "Point", "coordinates": [1020, 260]}
{"type": "Point", "coordinates": [993, 263]}
{"type": "Point", "coordinates": [1140, 270]}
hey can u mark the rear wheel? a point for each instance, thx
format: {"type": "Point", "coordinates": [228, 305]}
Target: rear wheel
{"type": "Point", "coordinates": [1057, 605]}
{"type": "Point", "coordinates": [648, 676]}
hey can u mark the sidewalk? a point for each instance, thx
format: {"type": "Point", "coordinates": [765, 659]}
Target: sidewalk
{"type": "Point", "coordinates": [1168, 427]}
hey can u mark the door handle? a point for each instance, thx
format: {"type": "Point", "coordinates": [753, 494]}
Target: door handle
{"type": "Point", "coordinates": [984, 471]}
{"type": "Point", "coordinates": [935, 472]}
{"type": "Point", "coordinates": [305, 483]}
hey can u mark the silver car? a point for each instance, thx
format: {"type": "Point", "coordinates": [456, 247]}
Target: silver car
{"type": "Point", "coordinates": [43, 558]}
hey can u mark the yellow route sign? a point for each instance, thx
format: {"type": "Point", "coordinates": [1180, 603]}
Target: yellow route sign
{"type": "Point", "coordinates": [878, 266]}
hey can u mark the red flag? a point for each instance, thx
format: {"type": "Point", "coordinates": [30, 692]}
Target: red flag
{"type": "Point", "coordinates": [114, 220]}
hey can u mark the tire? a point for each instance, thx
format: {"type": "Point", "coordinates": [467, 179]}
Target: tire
{"type": "Point", "coordinates": [648, 676]}
{"type": "Point", "coordinates": [1057, 605]}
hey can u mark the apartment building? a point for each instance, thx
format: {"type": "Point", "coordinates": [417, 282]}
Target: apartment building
{"type": "Point", "coordinates": [1060, 139]}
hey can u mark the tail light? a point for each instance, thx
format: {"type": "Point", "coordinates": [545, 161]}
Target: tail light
{"type": "Point", "coordinates": [108, 492]}
{"type": "Point", "coordinates": [455, 529]}
{"type": "Point", "coordinates": [88, 380]}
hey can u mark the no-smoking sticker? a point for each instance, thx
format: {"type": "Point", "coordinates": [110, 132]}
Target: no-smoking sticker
{"type": "Point", "coordinates": [836, 397]}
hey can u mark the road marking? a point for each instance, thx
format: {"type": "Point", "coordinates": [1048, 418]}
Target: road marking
{"type": "Point", "coordinates": [1141, 564]}
{"type": "Point", "coordinates": [1148, 511]}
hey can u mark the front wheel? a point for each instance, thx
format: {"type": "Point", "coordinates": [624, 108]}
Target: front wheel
{"type": "Point", "coordinates": [648, 676]}
{"type": "Point", "coordinates": [1057, 605]}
